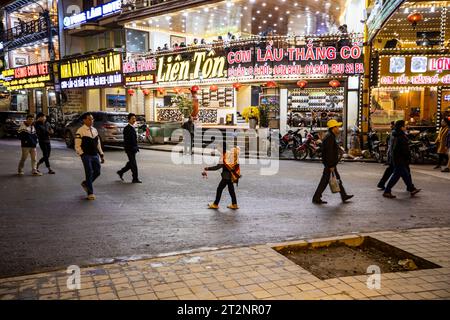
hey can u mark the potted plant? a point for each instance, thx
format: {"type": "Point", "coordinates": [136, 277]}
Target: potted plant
{"type": "Point", "coordinates": [184, 104]}
{"type": "Point", "coordinates": [251, 115]}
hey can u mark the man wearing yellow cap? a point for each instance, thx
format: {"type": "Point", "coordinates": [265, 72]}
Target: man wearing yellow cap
{"type": "Point", "coordinates": [330, 159]}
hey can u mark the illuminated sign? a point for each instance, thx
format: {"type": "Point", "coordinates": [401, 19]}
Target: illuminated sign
{"type": "Point", "coordinates": [203, 65]}
{"type": "Point", "coordinates": [261, 62]}
{"type": "Point", "coordinates": [92, 14]}
{"type": "Point", "coordinates": [93, 71]}
{"type": "Point", "coordinates": [415, 70]}
{"type": "Point", "coordinates": [27, 77]}
{"type": "Point", "coordinates": [139, 79]}
{"type": "Point", "coordinates": [144, 65]}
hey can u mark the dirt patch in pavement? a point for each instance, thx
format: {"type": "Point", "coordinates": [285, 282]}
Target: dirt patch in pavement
{"type": "Point", "coordinates": [340, 260]}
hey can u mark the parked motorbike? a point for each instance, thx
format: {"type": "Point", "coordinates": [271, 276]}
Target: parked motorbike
{"type": "Point", "coordinates": [290, 141]}
{"type": "Point", "coordinates": [423, 149]}
{"type": "Point", "coordinates": [310, 146]}
{"type": "Point", "coordinates": [144, 134]}
{"type": "Point", "coordinates": [377, 148]}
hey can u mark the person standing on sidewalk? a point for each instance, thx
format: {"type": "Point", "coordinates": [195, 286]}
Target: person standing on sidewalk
{"type": "Point", "coordinates": [400, 158]}
{"type": "Point", "coordinates": [441, 144]}
{"type": "Point", "coordinates": [44, 131]}
{"type": "Point", "coordinates": [447, 144]}
{"type": "Point", "coordinates": [131, 148]}
{"type": "Point", "coordinates": [188, 134]}
{"type": "Point", "coordinates": [88, 147]}
{"type": "Point", "coordinates": [231, 174]}
{"type": "Point", "coordinates": [28, 141]}
{"type": "Point", "coordinates": [390, 169]}
{"type": "Point", "coordinates": [330, 159]}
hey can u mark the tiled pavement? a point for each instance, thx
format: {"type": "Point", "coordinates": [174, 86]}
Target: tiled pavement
{"type": "Point", "coordinates": [256, 272]}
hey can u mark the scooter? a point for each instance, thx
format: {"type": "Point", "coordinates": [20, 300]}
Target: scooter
{"type": "Point", "coordinates": [311, 146]}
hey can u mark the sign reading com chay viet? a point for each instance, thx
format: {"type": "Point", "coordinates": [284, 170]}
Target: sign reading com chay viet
{"type": "Point", "coordinates": [27, 77]}
{"type": "Point", "coordinates": [414, 70]}
{"type": "Point", "coordinates": [259, 62]}
{"type": "Point", "coordinates": [94, 71]}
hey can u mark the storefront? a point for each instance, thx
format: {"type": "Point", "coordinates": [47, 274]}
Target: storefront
{"type": "Point", "coordinates": [31, 87]}
{"type": "Point", "coordinates": [411, 88]}
{"type": "Point", "coordinates": [410, 69]}
{"type": "Point", "coordinates": [93, 82]}
{"type": "Point", "coordinates": [298, 82]}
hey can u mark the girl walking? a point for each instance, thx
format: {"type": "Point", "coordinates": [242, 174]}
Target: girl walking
{"type": "Point", "coordinates": [230, 174]}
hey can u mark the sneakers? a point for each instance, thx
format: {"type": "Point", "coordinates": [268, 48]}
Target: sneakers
{"type": "Point", "coordinates": [389, 195]}
{"type": "Point", "coordinates": [50, 171]}
{"type": "Point", "coordinates": [120, 175]}
{"type": "Point", "coordinates": [437, 167]}
{"type": "Point", "coordinates": [233, 206]}
{"type": "Point", "coordinates": [20, 173]}
{"type": "Point", "coordinates": [213, 206]}
{"type": "Point", "coordinates": [319, 201]}
{"type": "Point", "coordinates": [415, 191]}
{"type": "Point", "coordinates": [84, 186]}
{"type": "Point", "coordinates": [91, 197]}
{"type": "Point", "coordinates": [380, 187]}
{"type": "Point", "coordinates": [446, 170]}
{"type": "Point", "coordinates": [37, 173]}
{"type": "Point", "coordinates": [136, 181]}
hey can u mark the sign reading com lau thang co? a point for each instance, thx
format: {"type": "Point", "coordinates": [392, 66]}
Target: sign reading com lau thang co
{"type": "Point", "coordinates": [268, 62]}
{"type": "Point", "coordinates": [27, 77]}
{"type": "Point", "coordinates": [92, 72]}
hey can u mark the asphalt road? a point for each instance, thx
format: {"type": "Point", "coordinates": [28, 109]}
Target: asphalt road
{"type": "Point", "coordinates": [45, 222]}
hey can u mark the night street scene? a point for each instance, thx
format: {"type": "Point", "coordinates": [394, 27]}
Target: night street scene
{"type": "Point", "coordinates": [252, 151]}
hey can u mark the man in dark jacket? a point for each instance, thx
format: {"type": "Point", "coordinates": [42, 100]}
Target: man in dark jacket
{"type": "Point", "coordinates": [400, 156]}
{"type": "Point", "coordinates": [188, 135]}
{"type": "Point", "coordinates": [330, 159]}
{"type": "Point", "coordinates": [44, 130]}
{"type": "Point", "coordinates": [131, 148]}
{"type": "Point", "coordinates": [28, 141]}
{"type": "Point", "coordinates": [390, 169]}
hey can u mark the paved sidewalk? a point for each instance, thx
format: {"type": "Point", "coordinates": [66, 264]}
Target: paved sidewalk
{"type": "Point", "coordinates": [256, 272]}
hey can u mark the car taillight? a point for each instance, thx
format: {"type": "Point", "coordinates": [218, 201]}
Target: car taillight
{"type": "Point", "coordinates": [109, 126]}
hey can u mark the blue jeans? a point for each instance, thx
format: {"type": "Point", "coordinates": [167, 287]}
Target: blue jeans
{"type": "Point", "coordinates": [91, 170]}
{"type": "Point", "coordinates": [400, 171]}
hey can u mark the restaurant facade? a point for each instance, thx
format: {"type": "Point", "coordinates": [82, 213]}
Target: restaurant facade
{"type": "Point", "coordinates": [410, 66]}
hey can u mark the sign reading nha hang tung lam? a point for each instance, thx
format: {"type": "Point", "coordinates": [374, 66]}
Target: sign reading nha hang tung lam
{"type": "Point", "coordinates": [92, 71]}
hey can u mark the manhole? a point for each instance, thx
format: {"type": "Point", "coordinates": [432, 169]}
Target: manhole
{"type": "Point", "coordinates": [352, 257]}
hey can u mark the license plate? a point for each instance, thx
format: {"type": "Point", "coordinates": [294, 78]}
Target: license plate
{"type": "Point", "coordinates": [423, 149]}
{"type": "Point", "coordinates": [382, 148]}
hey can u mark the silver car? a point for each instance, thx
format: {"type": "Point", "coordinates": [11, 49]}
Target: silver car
{"type": "Point", "coordinates": [109, 125]}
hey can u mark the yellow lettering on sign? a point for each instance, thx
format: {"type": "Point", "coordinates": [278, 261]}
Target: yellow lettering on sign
{"type": "Point", "coordinates": [66, 71]}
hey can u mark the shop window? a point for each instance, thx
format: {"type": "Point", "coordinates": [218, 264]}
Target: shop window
{"type": "Point", "coordinates": [417, 107]}
{"type": "Point", "coordinates": [137, 41]}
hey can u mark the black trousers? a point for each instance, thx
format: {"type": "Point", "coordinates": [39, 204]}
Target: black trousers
{"type": "Point", "coordinates": [131, 165]}
{"type": "Point", "coordinates": [443, 159]}
{"type": "Point", "coordinates": [386, 175]}
{"type": "Point", "coordinates": [223, 183]}
{"type": "Point", "coordinates": [326, 175]}
{"type": "Point", "coordinates": [46, 148]}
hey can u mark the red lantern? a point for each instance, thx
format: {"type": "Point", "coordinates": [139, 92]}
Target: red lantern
{"type": "Point", "coordinates": [130, 92]}
{"type": "Point", "coordinates": [213, 88]}
{"type": "Point", "coordinates": [415, 18]}
{"type": "Point", "coordinates": [271, 84]}
{"type": "Point", "coordinates": [161, 90]}
{"type": "Point", "coordinates": [194, 89]}
{"type": "Point", "coordinates": [237, 86]}
{"type": "Point", "coordinates": [334, 83]}
{"type": "Point", "coordinates": [146, 92]}
{"type": "Point", "coordinates": [302, 83]}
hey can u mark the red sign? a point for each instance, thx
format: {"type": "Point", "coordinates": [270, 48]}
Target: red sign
{"type": "Point", "coordinates": [34, 70]}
